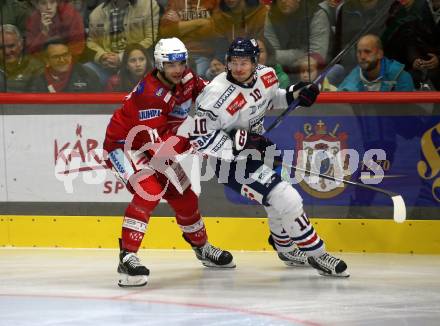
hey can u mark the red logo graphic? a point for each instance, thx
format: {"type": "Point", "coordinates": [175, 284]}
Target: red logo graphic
{"type": "Point", "coordinates": [236, 104]}
{"type": "Point", "coordinates": [87, 151]}
{"type": "Point", "coordinates": [269, 79]}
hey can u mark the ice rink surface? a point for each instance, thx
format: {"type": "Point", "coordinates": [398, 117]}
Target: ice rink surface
{"type": "Point", "coordinates": [79, 287]}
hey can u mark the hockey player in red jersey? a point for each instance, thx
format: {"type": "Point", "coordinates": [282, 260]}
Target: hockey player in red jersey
{"type": "Point", "coordinates": [142, 140]}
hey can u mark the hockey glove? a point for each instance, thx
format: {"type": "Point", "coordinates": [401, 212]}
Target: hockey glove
{"type": "Point", "coordinates": [243, 139]}
{"type": "Point", "coordinates": [306, 93]}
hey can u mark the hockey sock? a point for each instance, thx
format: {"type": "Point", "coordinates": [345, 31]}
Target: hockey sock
{"type": "Point", "coordinates": [134, 226]}
{"type": "Point", "coordinates": [193, 229]}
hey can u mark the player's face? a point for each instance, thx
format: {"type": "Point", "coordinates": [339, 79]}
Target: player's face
{"type": "Point", "coordinates": [12, 47]}
{"type": "Point", "coordinates": [137, 63]}
{"type": "Point", "coordinates": [368, 54]}
{"type": "Point", "coordinates": [173, 71]}
{"type": "Point", "coordinates": [59, 57]}
{"type": "Point", "coordinates": [241, 68]}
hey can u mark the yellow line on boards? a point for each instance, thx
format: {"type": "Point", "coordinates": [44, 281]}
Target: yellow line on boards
{"type": "Point", "coordinates": [345, 235]}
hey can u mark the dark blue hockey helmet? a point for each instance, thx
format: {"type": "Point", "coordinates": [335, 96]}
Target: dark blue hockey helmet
{"type": "Point", "coordinates": [243, 47]}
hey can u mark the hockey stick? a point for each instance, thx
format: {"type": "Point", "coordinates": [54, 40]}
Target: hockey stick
{"type": "Point", "coordinates": [329, 66]}
{"type": "Point", "coordinates": [399, 211]}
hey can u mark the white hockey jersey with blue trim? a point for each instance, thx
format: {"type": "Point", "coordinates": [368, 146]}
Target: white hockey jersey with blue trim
{"type": "Point", "coordinates": [224, 106]}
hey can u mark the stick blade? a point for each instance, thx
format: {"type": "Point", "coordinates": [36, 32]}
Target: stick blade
{"type": "Point", "coordinates": [399, 209]}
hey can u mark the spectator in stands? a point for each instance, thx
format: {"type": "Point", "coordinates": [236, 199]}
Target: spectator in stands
{"type": "Point", "coordinates": [237, 18]}
{"type": "Point", "coordinates": [190, 21]}
{"type": "Point", "coordinates": [267, 58]}
{"type": "Point", "coordinates": [135, 65]}
{"type": "Point", "coordinates": [54, 19]}
{"type": "Point", "coordinates": [216, 67]}
{"type": "Point", "coordinates": [293, 33]}
{"type": "Point", "coordinates": [413, 38]}
{"type": "Point", "coordinates": [378, 130]}
{"type": "Point", "coordinates": [19, 70]}
{"type": "Point", "coordinates": [116, 23]}
{"type": "Point", "coordinates": [309, 68]}
{"type": "Point", "coordinates": [85, 7]}
{"type": "Point", "coordinates": [374, 71]}
{"type": "Point", "coordinates": [352, 16]}
{"type": "Point", "coordinates": [62, 74]}
{"type": "Point", "coordinates": [331, 8]}
{"type": "Point", "coordinates": [15, 12]}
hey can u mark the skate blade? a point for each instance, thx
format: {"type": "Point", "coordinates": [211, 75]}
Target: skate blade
{"type": "Point", "coordinates": [212, 265]}
{"type": "Point", "coordinates": [127, 281]}
{"type": "Point", "coordinates": [296, 264]}
{"type": "Point", "coordinates": [343, 274]}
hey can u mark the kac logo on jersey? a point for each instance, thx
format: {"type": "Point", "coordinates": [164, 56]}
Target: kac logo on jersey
{"type": "Point", "coordinates": [269, 79]}
{"type": "Point", "coordinates": [149, 114]}
{"type": "Point", "coordinates": [224, 96]}
{"type": "Point", "coordinates": [159, 92]}
{"type": "Point", "coordinates": [238, 103]}
{"type": "Point", "coordinates": [320, 150]}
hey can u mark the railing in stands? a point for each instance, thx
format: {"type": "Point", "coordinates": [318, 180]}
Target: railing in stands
{"type": "Point", "coordinates": [115, 98]}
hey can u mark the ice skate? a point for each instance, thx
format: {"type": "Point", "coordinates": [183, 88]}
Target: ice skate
{"type": "Point", "coordinates": [211, 256]}
{"type": "Point", "coordinates": [293, 258]}
{"type": "Point", "coordinates": [328, 265]}
{"type": "Point", "coordinates": [132, 273]}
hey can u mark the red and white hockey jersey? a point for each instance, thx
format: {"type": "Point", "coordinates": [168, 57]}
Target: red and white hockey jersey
{"type": "Point", "coordinates": [156, 106]}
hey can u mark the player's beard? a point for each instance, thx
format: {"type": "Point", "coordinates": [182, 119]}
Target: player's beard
{"type": "Point", "coordinates": [167, 80]}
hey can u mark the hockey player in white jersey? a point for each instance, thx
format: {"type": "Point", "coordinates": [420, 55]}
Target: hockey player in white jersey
{"type": "Point", "coordinates": [229, 126]}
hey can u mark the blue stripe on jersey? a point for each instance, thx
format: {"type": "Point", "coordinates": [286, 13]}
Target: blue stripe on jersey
{"type": "Point", "coordinates": [280, 236]}
{"type": "Point", "coordinates": [315, 247]}
{"type": "Point", "coordinates": [288, 244]}
{"type": "Point", "coordinates": [307, 234]}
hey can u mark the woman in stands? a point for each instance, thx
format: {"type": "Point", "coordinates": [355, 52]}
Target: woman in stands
{"type": "Point", "coordinates": [135, 65]}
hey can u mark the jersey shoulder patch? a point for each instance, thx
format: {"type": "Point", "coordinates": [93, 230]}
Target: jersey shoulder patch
{"type": "Point", "coordinates": [269, 78]}
{"type": "Point", "coordinates": [187, 77]}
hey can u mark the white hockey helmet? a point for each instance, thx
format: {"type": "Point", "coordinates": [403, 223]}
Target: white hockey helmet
{"type": "Point", "coordinates": [169, 50]}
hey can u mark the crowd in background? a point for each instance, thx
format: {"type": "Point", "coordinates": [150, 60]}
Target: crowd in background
{"type": "Point", "coordinates": [106, 45]}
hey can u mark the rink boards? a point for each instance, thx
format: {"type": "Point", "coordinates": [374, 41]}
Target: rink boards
{"type": "Point", "coordinates": [48, 200]}
{"type": "Point", "coordinates": [344, 235]}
